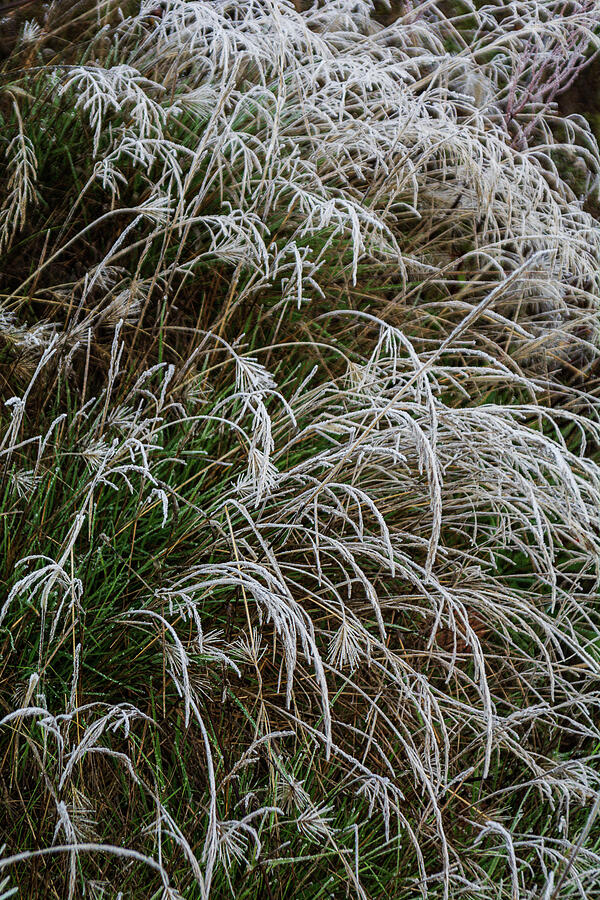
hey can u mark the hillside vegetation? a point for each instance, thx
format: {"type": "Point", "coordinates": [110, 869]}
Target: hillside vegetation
{"type": "Point", "coordinates": [299, 452]}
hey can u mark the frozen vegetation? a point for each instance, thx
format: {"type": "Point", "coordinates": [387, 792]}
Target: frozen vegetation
{"type": "Point", "coordinates": [299, 452]}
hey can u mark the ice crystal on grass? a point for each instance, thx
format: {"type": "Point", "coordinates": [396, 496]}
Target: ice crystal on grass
{"type": "Point", "coordinates": [21, 168]}
{"type": "Point", "coordinates": [101, 91]}
{"type": "Point", "coordinates": [299, 451]}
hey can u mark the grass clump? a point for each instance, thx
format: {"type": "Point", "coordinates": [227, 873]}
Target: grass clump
{"type": "Point", "coordinates": [300, 490]}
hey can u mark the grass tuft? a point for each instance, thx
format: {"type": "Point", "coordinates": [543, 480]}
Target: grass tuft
{"type": "Point", "coordinates": [299, 474]}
